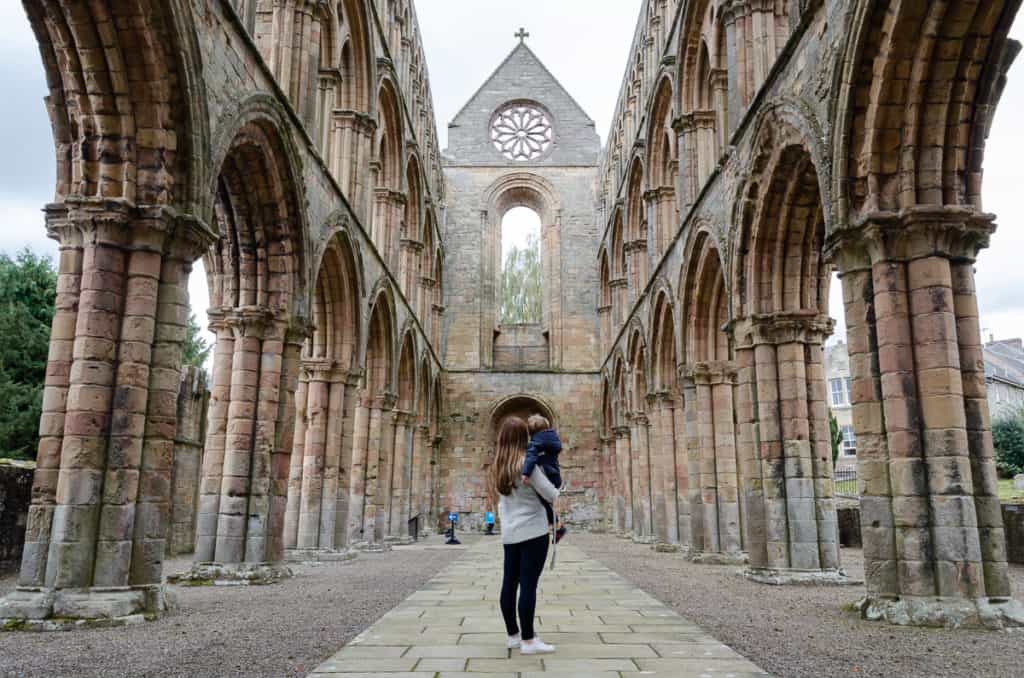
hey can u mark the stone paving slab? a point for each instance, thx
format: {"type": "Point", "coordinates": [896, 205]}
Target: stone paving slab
{"type": "Point", "coordinates": [602, 626]}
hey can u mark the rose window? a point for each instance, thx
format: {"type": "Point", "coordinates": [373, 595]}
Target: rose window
{"type": "Point", "coordinates": [521, 132]}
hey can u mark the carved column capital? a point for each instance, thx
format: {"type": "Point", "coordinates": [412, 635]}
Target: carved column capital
{"type": "Point", "coordinates": [805, 327]}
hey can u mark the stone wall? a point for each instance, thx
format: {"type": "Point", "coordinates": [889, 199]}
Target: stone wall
{"type": "Point", "coordinates": [193, 399]}
{"type": "Point", "coordinates": [15, 494]}
{"type": "Point", "coordinates": [477, 403]}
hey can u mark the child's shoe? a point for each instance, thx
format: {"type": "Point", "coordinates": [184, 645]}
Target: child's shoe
{"type": "Point", "coordinates": [559, 533]}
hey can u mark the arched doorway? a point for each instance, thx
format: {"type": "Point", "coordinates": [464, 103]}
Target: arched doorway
{"type": "Point", "coordinates": [521, 406]}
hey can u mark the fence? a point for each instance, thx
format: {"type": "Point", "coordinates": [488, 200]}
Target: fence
{"type": "Point", "coordinates": [846, 483]}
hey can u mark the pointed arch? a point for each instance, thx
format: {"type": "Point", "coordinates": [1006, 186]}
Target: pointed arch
{"type": "Point", "coordinates": [380, 344]}
{"type": "Point", "coordinates": [663, 167]}
{"type": "Point", "coordinates": [335, 311]}
{"type": "Point", "coordinates": [703, 300]}
{"type": "Point", "coordinates": [664, 361]}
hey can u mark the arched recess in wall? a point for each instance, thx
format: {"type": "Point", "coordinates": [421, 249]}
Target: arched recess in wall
{"type": "Point", "coordinates": [424, 278]}
{"type": "Point", "coordinates": [398, 465]}
{"type": "Point", "coordinates": [522, 406]}
{"type": "Point", "coordinates": [704, 95]}
{"type": "Point", "coordinates": [388, 199]}
{"type": "Point", "coordinates": [663, 168]}
{"type": "Point", "coordinates": [604, 301]}
{"type": "Point", "coordinates": [618, 283]}
{"type": "Point", "coordinates": [521, 189]}
{"type": "Point", "coordinates": [710, 377]}
{"type": "Point", "coordinates": [373, 426]}
{"type": "Point", "coordinates": [421, 485]}
{"type": "Point", "coordinates": [636, 229]}
{"type": "Point", "coordinates": [670, 473]}
{"type": "Point", "coordinates": [316, 474]}
{"type": "Point", "coordinates": [256, 277]}
{"type": "Point", "coordinates": [639, 432]}
{"type": "Point", "coordinates": [411, 243]}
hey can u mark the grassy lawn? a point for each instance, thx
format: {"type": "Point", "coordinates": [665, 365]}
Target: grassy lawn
{"type": "Point", "coordinates": [1008, 493]}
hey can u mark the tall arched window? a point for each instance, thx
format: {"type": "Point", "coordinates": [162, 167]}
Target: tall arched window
{"type": "Point", "coordinates": [521, 285]}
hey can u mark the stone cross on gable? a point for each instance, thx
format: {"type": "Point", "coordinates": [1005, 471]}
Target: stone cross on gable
{"type": "Point", "coordinates": [522, 35]}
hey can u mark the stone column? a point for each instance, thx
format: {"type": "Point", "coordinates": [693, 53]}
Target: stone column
{"type": "Point", "coordinates": [398, 510]}
{"type": "Point", "coordinates": [641, 477]}
{"type": "Point", "coordinates": [713, 385]}
{"type": "Point", "coordinates": [933, 538]}
{"type": "Point", "coordinates": [409, 258]}
{"type": "Point", "coordinates": [725, 117]}
{"type": "Point", "coordinates": [782, 369]}
{"type": "Point", "coordinates": [352, 151]}
{"type": "Point", "coordinates": [379, 447]}
{"type": "Point", "coordinates": [331, 508]}
{"type": "Point", "coordinates": [357, 474]}
{"type": "Point", "coordinates": [684, 520]}
{"type": "Point", "coordinates": [97, 527]}
{"type": "Point", "coordinates": [604, 316]}
{"type": "Point", "coordinates": [624, 501]}
{"type": "Point", "coordinates": [620, 302]}
{"type": "Point", "coordinates": [663, 474]}
{"type": "Point", "coordinates": [317, 375]}
{"type": "Point", "coordinates": [692, 444]}
{"type": "Point", "coordinates": [609, 482]}
{"type": "Point", "coordinates": [295, 463]}
{"type": "Point", "coordinates": [193, 400]}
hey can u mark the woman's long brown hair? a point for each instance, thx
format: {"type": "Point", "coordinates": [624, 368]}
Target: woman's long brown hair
{"type": "Point", "coordinates": [508, 458]}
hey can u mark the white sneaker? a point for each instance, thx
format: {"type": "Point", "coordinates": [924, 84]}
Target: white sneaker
{"type": "Point", "coordinates": [535, 646]}
{"type": "Point", "coordinates": [514, 641]}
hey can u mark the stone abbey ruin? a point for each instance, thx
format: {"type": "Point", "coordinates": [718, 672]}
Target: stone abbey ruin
{"type": "Point", "coordinates": [360, 366]}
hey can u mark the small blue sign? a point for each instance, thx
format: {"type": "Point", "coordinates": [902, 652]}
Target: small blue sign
{"type": "Point", "coordinates": [453, 517]}
{"type": "Point", "coordinates": [489, 518]}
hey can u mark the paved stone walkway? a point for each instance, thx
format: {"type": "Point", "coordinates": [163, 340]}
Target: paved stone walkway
{"type": "Point", "coordinates": [602, 625]}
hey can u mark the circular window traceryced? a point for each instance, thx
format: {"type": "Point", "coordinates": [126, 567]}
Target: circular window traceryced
{"type": "Point", "coordinates": [521, 131]}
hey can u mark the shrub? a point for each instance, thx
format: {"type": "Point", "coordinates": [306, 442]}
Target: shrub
{"type": "Point", "coordinates": [1008, 436]}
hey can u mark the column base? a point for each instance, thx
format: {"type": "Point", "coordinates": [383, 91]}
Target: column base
{"type": "Point", "coordinates": [371, 546]}
{"type": "Point", "coordinates": [398, 541]}
{"type": "Point", "coordinates": [233, 574]}
{"type": "Point", "coordinates": [665, 547]}
{"type": "Point", "coordinates": [950, 613]}
{"type": "Point", "coordinates": [716, 558]}
{"type": "Point", "coordinates": [319, 555]}
{"type": "Point", "coordinates": [32, 609]}
{"type": "Point", "coordinates": [788, 577]}
{"type": "Point", "coordinates": [643, 539]}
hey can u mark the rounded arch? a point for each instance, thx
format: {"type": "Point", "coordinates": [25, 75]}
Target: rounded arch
{"type": "Point", "coordinates": [638, 371]}
{"type": "Point", "coordinates": [522, 189]}
{"type": "Point", "coordinates": [356, 56]}
{"type": "Point", "coordinates": [143, 148]}
{"type": "Point", "coordinates": [781, 226]}
{"type": "Point", "coordinates": [390, 138]}
{"type": "Point", "coordinates": [703, 300]}
{"type": "Point", "coordinates": [414, 198]}
{"type": "Point", "coordinates": [520, 405]}
{"type": "Point", "coordinates": [664, 355]}
{"type": "Point", "coordinates": [380, 342]}
{"type": "Point", "coordinates": [635, 214]}
{"type": "Point", "coordinates": [259, 257]}
{"type": "Point", "coordinates": [335, 308]}
{"type": "Point", "coordinates": [406, 375]}
{"type": "Point", "coordinates": [618, 245]}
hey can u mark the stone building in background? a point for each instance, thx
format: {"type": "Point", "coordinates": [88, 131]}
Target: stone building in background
{"type": "Point", "coordinates": [1004, 377]}
{"type": "Point", "coordinates": [360, 368]}
{"type": "Point", "coordinates": [840, 401]}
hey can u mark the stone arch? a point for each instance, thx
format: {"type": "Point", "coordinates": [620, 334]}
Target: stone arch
{"type": "Point", "coordinates": [704, 94]}
{"type": "Point", "coordinates": [703, 299]}
{"type": "Point", "coordinates": [664, 355]}
{"type": "Point", "coordinates": [380, 343]}
{"type": "Point", "coordinates": [663, 167]}
{"type": "Point", "coordinates": [708, 390]}
{"type": "Point", "coordinates": [780, 235]}
{"type": "Point", "coordinates": [520, 405]}
{"type": "Point", "coordinates": [119, 131]}
{"type": "Point", "coordinates": [638, 367]}
{"type": "Point", "coordinates": [316, 478]}
{"type": "Point", "coordinates": [903, 141]}
{"type": "Point", "coordinates": [257, 275]}
{"type": "Point", "coordinates": [412, 232]}
{"type": "Point", "coordinates": [521, 189]}
{"type": "Point", "coordinates": [636, 228]}
{"type": "Point", "coordinates": [387, 170]}
{"type": "Point", "coordinates": [126, 121]}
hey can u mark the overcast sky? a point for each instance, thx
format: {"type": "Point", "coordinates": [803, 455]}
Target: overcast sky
{"type": "Point", "coordinates": [583, 42]}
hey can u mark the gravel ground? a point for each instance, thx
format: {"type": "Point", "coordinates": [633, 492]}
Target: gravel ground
{"type": "Point", "coordinates": [280, 630]}
{"type": "Point", "coordinates": [804, 631]}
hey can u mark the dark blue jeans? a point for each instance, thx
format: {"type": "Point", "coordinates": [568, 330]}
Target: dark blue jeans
{"type": "Point", "coordinates": [524, 563]}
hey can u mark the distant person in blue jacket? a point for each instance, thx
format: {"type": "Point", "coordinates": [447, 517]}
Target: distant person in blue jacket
{"type": "Point", "coordinates": [543, 451]}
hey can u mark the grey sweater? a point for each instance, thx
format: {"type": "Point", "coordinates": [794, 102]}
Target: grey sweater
{"type": "Point", "coordinates": [522, 515]}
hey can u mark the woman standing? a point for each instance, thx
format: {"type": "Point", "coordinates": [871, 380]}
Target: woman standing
{"type": "Point", "coordinates": [524, 532]}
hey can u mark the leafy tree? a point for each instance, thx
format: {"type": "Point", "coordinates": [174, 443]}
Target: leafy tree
{"type": "Point", "coordinates": [28, 290]}
{"type": "Point", "coordinates": [1008, 437]}
{"type": "Point", "coordinates": [195, 350]}
{"type": "Point", "coordinates": [521, 284]}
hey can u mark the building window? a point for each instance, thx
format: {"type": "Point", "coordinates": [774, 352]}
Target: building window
{"type": "Point", "coordinates": [849, 441]}
{"type": "Point", "coordinates": [838, 392]}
